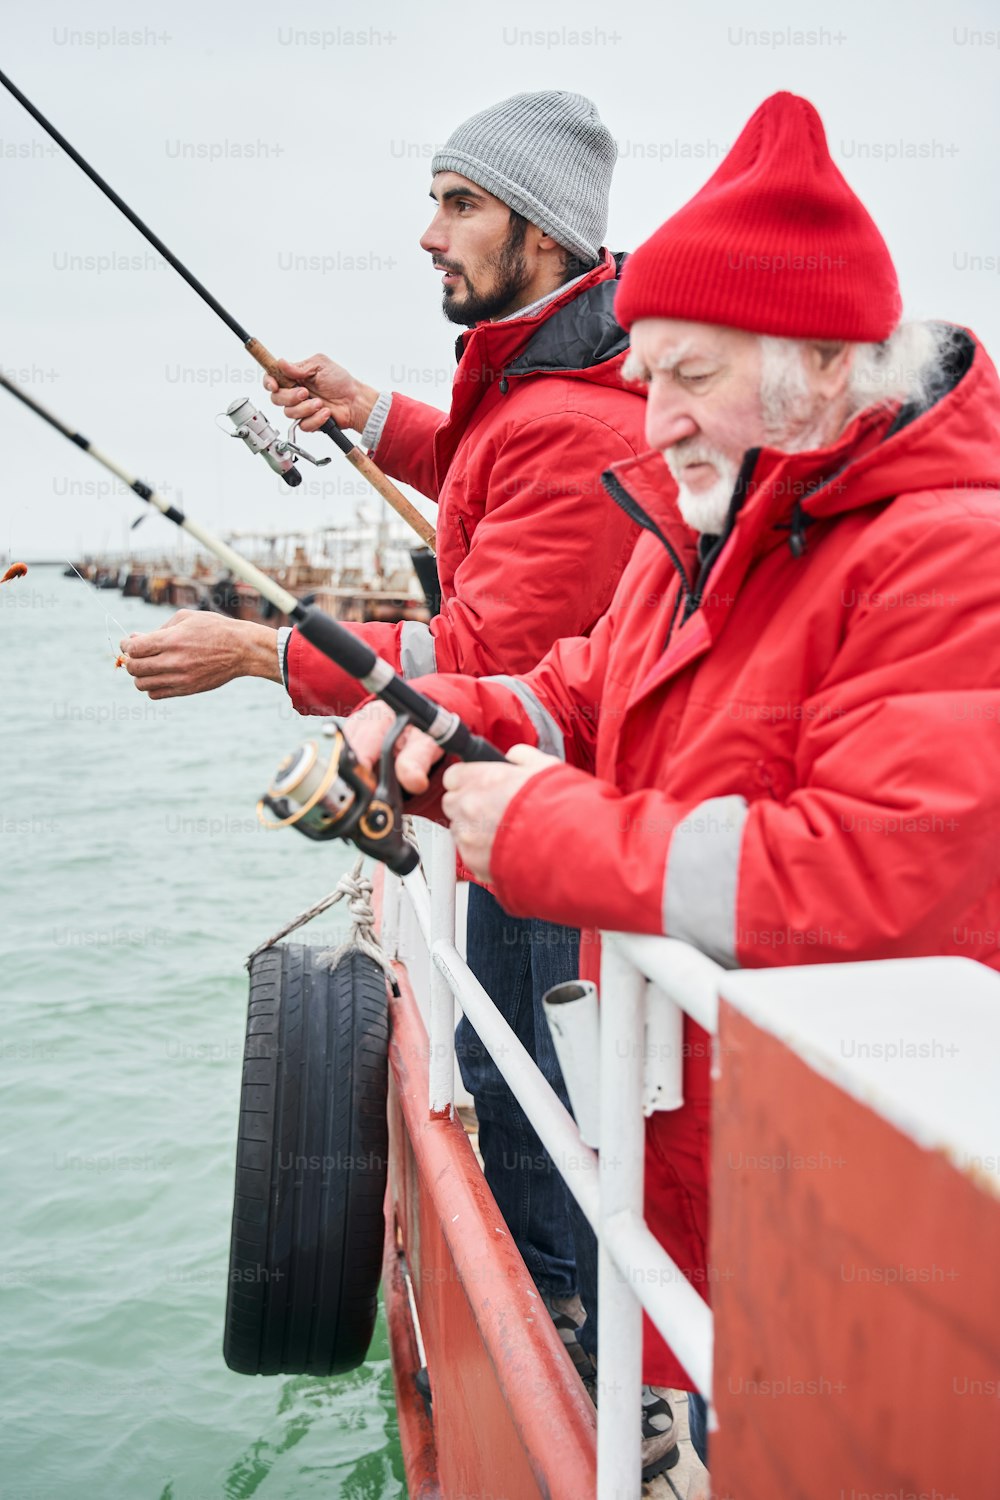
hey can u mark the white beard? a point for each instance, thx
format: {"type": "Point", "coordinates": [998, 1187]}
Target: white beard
{"type": "Point", "coordinates": [706, 511]}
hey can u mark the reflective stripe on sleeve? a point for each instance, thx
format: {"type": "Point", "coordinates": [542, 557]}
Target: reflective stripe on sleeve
{"type": "Point", "coordinates": [550, 736]}
{"type": "Point", "coordinates": [417, 656]}
{"type": "Point", "coordinates": [700, 888]}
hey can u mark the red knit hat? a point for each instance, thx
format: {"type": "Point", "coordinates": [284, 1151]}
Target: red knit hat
{"type": "Point", "coordinates": [775, 242]}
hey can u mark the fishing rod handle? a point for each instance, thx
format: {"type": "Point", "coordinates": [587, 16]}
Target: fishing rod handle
{"type": "Point", "coordinates": [356, 658]}
{"type": "Point", "coordinates": [468, 746]}
{"type": "Point", "coordinates": [393, 496]}
{"type": "Point", "coordinates": [262, 354]}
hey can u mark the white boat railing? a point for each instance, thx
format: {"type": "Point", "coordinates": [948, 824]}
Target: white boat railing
{"type": "Point", "coordinates": [877, 1031]}
{"type": "Point", "coordinates": [644, 975]}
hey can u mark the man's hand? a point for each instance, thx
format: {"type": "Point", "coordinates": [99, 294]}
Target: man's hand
{"type": "Point", "coordinates": [416, 752]}
{"type": "Point", "coordinates": [345, 399]}
{"type": "Point", "coordinates": [197, 651]}
{"type": "Point", "coordinates": [478, 794]}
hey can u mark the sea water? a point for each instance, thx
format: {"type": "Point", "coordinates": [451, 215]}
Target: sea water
{"type": "Point", "coordinates": [134, 880]}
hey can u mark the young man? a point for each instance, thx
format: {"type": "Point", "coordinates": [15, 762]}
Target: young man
{"type": "Point", "coordinates": [802, 663]}
{"type": "Point", "coordinates": [528, 547]}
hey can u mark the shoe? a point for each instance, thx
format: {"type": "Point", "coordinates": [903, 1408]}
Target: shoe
{"type": "Point", "coordinates": [569, 1317]}
{"type": "Point", "coordinates": [659, 1430]}
{"type": "Point", "coordinates": [659, 1433]}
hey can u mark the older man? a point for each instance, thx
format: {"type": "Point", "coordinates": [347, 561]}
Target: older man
{"type": "Point", "coordinates": [774, 741]}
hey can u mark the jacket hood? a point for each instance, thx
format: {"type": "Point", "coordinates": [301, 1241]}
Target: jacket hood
{"type": "Point", "coordinates": [580, 334]}
{"type": "Point", "coordinates": [953, 442]}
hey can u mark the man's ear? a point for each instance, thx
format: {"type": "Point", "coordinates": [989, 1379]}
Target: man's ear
{"type": "Point", "coordinates": [828, 366]}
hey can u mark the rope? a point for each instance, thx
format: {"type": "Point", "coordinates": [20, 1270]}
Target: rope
{"type": "Point", "coordinates": [357, 888]}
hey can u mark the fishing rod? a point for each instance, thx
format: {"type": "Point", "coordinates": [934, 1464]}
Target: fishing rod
{"type": "Point", "coordinates": [338, 797]}
{"type": "Point", "coordinates": [355, 455]}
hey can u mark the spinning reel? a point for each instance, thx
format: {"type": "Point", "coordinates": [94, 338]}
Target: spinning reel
{"type": "Point", "coordinates": [260, 437]}
{"type": "Point", "coordinates": [337, 798]}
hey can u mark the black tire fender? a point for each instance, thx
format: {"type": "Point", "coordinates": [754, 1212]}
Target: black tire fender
{"type": "Point", "coordinates": [311, 1162]}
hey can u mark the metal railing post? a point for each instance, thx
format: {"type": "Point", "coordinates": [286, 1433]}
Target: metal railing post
{"type": "Point", "coordinates": [620, 1165]}
{"type": "Point", "coordinates": [639, 975]}
{"type": "Point", "coordinates": [392, 892]}
{"type": "Point", "coordinates": [441, 1031]}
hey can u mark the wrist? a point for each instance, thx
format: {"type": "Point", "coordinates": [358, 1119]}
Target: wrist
{"type": "Point", "coordinates": [361, 406]}
{"type": "Point", "coordinates": [259, 655]}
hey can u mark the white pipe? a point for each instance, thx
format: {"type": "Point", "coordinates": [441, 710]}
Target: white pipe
{"type": "Point", "coordinates": [441, 1027]}
{"type": "Point", "coordinates": [553, 1123]}
{"type": "Point", "coordinates": [416, 889]}
{"type": "Point", "coordinates": [665, 1292]}
{"type": "Point", "coordinates": [663, 1053]}
{"type": "Point", "coordinates": [621, 1166]}
{"type": "Point", "coordinates": [572, 1013]}
{"type": "Point", "coordinates": [687, 976]}
{"type": "Point", "coordinates": [389, 925]}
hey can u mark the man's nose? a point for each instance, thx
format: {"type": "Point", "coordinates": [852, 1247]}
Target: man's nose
{"type": "Point", "coordinates": [668, 421]}
{"type": "Point", "coordinates": [434, 240]}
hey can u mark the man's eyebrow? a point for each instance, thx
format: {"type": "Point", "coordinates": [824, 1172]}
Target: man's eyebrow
{"type": "Point", "coordinates": [458, 192]}
{"type": "Point", "coordinates": [637, 369]}
{"type": "Point", "coordinates": [669, 361]}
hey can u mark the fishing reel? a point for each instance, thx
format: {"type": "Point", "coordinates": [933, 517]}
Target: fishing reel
{"type": "Point", "coordinates": [260, 437]}
{"type": "Point", "coordinates": [337, 798]}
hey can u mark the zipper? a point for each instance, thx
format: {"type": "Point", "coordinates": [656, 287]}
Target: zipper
{"type": "Point", "coordinates": [635, 512]}
{"type": "Point", "coordinates": [465, 536]}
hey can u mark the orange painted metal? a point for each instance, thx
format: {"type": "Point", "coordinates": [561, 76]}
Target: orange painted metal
{"type": "Point", "coordinates": [511, 1421]}
{"type": "Point", "coordinates": [416, 1432]}
{"type": "Point", "coordinates": [854, 1287]}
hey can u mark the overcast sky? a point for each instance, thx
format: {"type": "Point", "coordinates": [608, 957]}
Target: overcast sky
{"type": "Point", "coordinates": [288, 162]}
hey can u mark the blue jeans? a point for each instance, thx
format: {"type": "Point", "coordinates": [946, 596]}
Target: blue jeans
{"type": "Point", "coordinates": [516, 960]}
{"type": "Point", "coordinates": [698, 1424]}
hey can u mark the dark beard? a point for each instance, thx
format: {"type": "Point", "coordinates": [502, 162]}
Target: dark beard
{"type": "Point", "coordinates": [510, 276]}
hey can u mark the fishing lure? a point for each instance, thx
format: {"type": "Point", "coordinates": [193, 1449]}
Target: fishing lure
{"type": "Point", "coordinates": [16, 570]}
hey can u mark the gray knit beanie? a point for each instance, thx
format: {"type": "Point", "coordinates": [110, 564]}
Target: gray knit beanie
{"type": "Point", "coordinates": [549, 156]}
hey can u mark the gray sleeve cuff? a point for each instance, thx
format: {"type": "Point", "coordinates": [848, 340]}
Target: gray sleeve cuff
{"type": "Point", "coordinates": [372, 434]}
{"type": "Point", "coordinates": [283, 635]}
{"type": "Point", "coordinates": [702, 878]}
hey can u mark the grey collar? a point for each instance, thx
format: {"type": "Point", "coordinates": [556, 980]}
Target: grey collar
{"type": "Point", "coordinates": [533, 307]}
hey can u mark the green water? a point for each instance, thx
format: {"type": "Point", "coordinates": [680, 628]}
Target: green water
{"type": "Point", "coordinates": [134, 880]}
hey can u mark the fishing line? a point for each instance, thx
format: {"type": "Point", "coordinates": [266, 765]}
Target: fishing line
{"type": "Point", "coordinates": [119, 660]}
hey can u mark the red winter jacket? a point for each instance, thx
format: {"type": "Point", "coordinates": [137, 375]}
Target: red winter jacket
{"type": "Point", "coordinates": [528, 547]}
{"type": "Point", "coordinates": [790, 756]}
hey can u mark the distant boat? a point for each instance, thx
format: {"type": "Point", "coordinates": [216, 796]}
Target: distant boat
{"type": "Point", "coordinates": [359, 573]}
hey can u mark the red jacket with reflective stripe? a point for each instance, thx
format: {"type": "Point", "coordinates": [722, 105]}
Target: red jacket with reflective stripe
{"type": "Point", "coordinates": [528, 547]}
{"type": "Point", "coordinates": [794, 760]}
